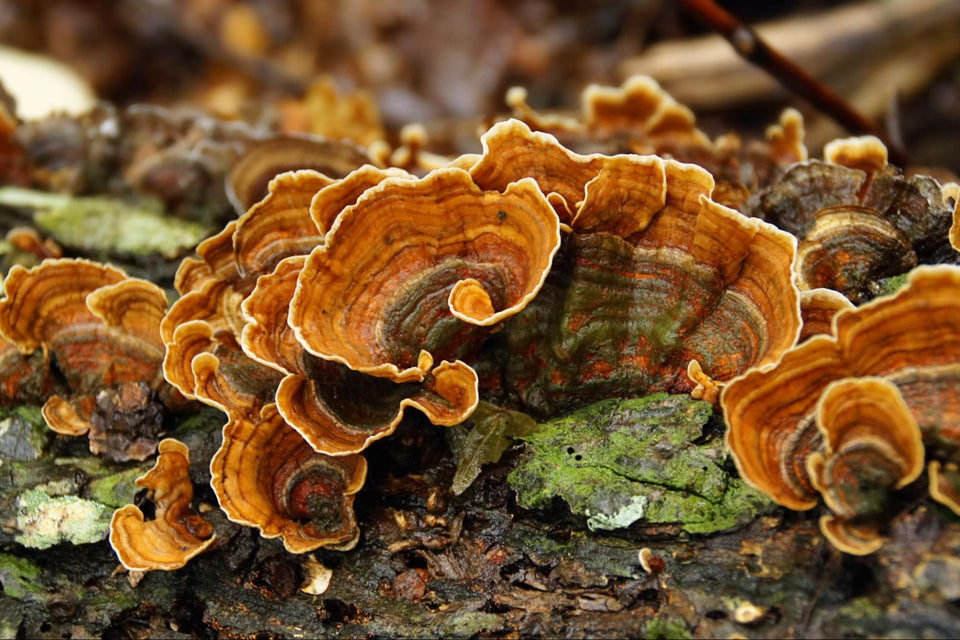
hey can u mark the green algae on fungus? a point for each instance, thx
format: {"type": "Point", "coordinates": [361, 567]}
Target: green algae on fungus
{"type": "Point", "coordinates": [618, 462]}
{"type": "Point", "coordinates": [43, 521]}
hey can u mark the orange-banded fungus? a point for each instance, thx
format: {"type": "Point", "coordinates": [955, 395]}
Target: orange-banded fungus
{"type": "Point", "coordinates": [653, 276]}
{"type": "Point", "coordinates": [210, 366]}
{"type": "Point", "coordinates": [337, 410]}
{"type": "Point", "coordinates": [42, 302]}
{"type": "Point", "coordinates": [102, 330]}
{"type": "Point", "coordinates": [640, 105]}
{"type": "Point", "coordinates": [249, 176]}
{"type": "Point", "coordinates": [211, 287]}
{"type": "Point", "coordinates": [340, 411]}
{"type": "Point", "coordinates": [386, 299]}
{"type": "Point", "coordinates": [266, 476]}
{"type": "Point", "coordinates": [817, 308]}
{"type": "Point", "coordinates": [858, 218]}
{"type": "Point", "coordinates": [871, 446]}
{"type": "Point", "coordinates": [911, 339]}
{"type": "Point", "coordinates": [295, 216]}
{"type": "Point", "coordinates": [850, 245]}
{"type": "Point", "coordinates": [866, 153]}
{"type": "Point", "coordinates": [511, 152]}
{"type": "Point", "coordinates": [281, 226]}
{"type": "Point", "coordinates": [175, 534]}
{"type": "Point", "coordinates": [227, 379]}
{"type": "Point", "coordinates": [945, 484]}
{"type": "Point", "coordinates": [639, 117]}
{"type": "Point", "coordinates": [951, 195]}
{"type": "Point", "coordinates": [266, 336]}
{"type": "Point", "coordinates": [856, 537]}
{"type": "Point", "coordinates": [327, 204]}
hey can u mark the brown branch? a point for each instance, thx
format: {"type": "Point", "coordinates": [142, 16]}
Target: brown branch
{"type": "Point", "coordinates": [751, 47]}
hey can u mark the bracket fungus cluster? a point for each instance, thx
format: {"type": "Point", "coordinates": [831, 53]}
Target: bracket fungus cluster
{"type": "Point", "coordinates": [330, 307]}
{"type": "Point", "coordinates": [852, 416]}
{"type": "Point", "coordinates": [858, 218]}
{"type": "Point", "coordinates": [531, 275]}
{"type": "Point", "coordinates": [89, 337]}
{"type": "Point", "coordinates": [653, 275]}
{"type": "Point", "coordinates": [640, 117]}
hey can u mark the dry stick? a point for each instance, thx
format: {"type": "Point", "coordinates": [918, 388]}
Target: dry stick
{"type": "Point", "coordinates": [750, 46]}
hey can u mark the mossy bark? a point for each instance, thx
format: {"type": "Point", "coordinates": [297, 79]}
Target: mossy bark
{"type": "Point", "coordinates": [476, 565]}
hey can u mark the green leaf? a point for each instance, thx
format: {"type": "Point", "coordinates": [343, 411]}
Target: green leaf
{"type": "Point", "coordinates": [483, 439]}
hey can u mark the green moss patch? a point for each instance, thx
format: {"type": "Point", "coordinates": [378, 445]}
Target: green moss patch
{"type": "Point", "coordinates": [618, 462]}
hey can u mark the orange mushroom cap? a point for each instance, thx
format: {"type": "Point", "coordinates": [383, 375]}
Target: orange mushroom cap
{"type": "Point", "coordinates": [511, 152]}
{"type": "Point", "coordinates": [266, 476]}
{"type": "Point", "coordinates": [653, 276]}
{"type": "Point", "coordinates": [945, 484]}
{"type": "Point", "coordinates": [857, 218]}
{"type": "Point", "coordinates": [866, 153]}
{"type": "Point", "coordinates": [818, 308]}
{"type": "Point", "coordinates": [249, 176]}
{"type": "Point", "coordinates": [41, 303]}
{"type": "Point", "coordinates": [640, 118]}
{"type": "Point", "coordinates": [279, 225]}
{"type": "Point", "coordinates": [871, 446]}
{"type": "Point", "coordinates": [856, 537]}
{"type": "Point", "coordinates": [339, 411]}
{"type": "Point", "coordinates": [911, 339]}
{"type": "Point", "coordinates": [378, 297]}
{"type": "Point", "coordinates": [175, 535]}
{"type": "Point", "coordinates": [640, 104]}
{"type": "Point", "coordinates": [102, 329]}
{"type": "Point", "coordinates": [849, 245]}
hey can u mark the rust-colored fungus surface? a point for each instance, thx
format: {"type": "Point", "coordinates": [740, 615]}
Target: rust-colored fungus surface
{"type": "Point", "coordinates": [175, 534]}
{"type": "Point", "coordinates": [384, 299]}
{"type": "Point", "coordinates": [911, 339]}
{"type": "Point", "coordinates": [871, 446]}
{"type": "Point", "coordinates": [452, 260]}
{"type": "Point", "coordinates": [817, 308]}
{"type": "Point", "coordinates": [102, 330]}
{"type": "Point", "coordinates": [267, 476]}
{"type": "Point", "coordinates": [858, 218]}
{"type": "Point", "coordinates": [640, 104]}
{"type": "Point", "coordinates": [945, 484]}
{"type": "Point", "coordinates": [250, 175]}
{"type": "Point", "coordinates": [640, 117]}
{"type": "Point", "coordinates": [653, 275]}
{"type": "Point", "coordinates": [23, 378]}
